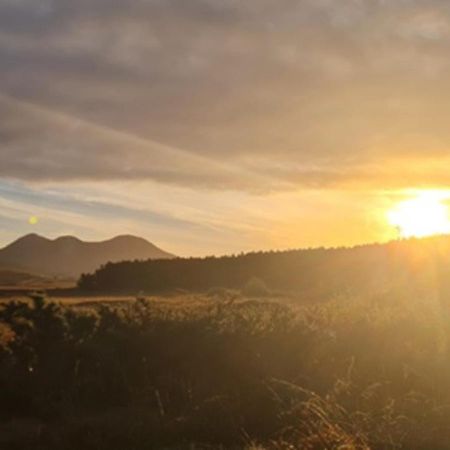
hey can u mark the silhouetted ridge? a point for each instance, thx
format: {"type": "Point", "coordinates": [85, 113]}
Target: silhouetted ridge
{"type": "Point", "coordinates": [67, 239]}
{"type": "Point", "coordinates": [31, 238]}
{"type": "Point", "coordinates": [70, 256]}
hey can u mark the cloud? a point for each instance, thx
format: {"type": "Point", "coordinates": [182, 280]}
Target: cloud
{"type": "Point", "coordinates": [187, 222]}
{"type": "Point", "coordinates": [40, 144]}
{"type": "Point", "coordinates": [257, 96]}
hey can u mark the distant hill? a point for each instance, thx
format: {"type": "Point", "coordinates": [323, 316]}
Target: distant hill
{"type": "Point", "coordinates": [69, 256]}
{"type": "Point", "coordinates": [415, 264]}
{"type": "Point", "coordinates": [16, 278]}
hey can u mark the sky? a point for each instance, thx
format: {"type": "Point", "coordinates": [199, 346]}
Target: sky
{"type": "Point", "coordinates": [220, 126]}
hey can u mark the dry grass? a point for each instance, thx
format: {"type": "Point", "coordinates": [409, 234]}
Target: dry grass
{"type": "Point", "coordinates": [220, 371]}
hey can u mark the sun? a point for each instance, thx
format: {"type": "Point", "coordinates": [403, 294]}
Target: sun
{"type": "Point", "coordinates": [426, 214]}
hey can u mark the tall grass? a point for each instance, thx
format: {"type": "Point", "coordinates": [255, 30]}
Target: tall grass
{"type": "Point", "coordinates": [348, 374]}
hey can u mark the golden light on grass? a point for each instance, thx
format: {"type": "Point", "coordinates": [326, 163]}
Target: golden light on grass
{"type": "Point", "coordinates": [33, 220]}
{"type": "Point", "coordinates": [426, 214]}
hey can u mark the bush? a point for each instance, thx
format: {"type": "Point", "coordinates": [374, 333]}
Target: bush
{"type": "Point", "coordinates": [255, 287]}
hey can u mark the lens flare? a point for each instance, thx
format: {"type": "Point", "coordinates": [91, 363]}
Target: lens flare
{"type": "Point", "coordinates": [33, 220]}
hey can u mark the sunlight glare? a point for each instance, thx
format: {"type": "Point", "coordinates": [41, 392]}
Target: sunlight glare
{"type": "Point", "coordinates": [424, 215]}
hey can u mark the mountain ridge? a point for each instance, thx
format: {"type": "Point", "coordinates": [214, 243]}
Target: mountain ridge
{"type": "Point", "coordinates": [70, 256]}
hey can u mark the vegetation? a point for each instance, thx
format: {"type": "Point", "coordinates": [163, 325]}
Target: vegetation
{"type": "Point", "coordinates": [226, 372]}
{"type": "Point", "coordinates": [312, 274]}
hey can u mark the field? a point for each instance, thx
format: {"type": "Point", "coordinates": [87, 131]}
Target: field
{"type": "Point", "coordinates": [224, 370]}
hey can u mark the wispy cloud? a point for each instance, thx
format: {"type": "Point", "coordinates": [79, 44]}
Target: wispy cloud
{"type": "Point", "coordinates": [213, 94]}
{"type": "Point", "coordinates": [210, 124]}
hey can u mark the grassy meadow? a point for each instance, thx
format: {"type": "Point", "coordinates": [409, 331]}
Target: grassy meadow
{"type": "Point", "coordinates": [225, 370]}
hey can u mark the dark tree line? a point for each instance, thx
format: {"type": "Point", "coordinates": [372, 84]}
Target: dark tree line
{"type": "Point", "coordinates": [313, 273]}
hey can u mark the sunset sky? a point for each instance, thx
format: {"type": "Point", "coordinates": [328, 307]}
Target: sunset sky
{"type": "Point", "coordinates": [220, 126]}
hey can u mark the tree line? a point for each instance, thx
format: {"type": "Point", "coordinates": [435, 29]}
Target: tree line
{"type": "Point", "coordinates": [313, 272]}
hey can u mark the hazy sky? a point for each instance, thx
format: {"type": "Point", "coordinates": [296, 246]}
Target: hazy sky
{"type": "Point", "coordinates": [215, 126]}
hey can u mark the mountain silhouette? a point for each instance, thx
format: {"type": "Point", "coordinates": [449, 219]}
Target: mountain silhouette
{"type": "Point", "coordinates": [69, 256]}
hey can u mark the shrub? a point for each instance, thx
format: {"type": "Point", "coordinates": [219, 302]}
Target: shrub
{"type": "Point", "coordinates": [255, 287]}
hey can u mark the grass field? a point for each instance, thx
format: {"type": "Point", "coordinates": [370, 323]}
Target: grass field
{"type": "Point", "coordinates": [225, 371]}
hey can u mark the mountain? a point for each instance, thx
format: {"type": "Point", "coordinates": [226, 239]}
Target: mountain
{"type": "Point", "coordinates": [69, 256]}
